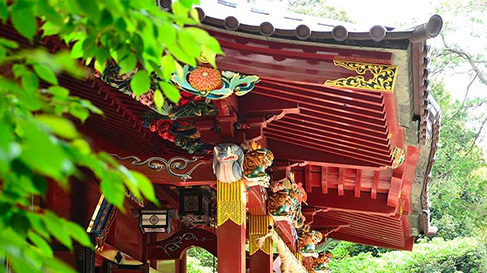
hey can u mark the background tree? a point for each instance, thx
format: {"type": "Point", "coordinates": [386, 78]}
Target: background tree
{"type": "Point", "coordinates": [38, 142]}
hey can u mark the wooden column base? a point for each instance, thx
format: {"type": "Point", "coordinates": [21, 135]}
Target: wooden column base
{"type": "Point", "coordinates": [231, 248]}
{"type": "Point", "coordinates": [260, 262]}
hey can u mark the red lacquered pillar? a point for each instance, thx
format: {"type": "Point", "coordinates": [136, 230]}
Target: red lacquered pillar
{"type": "Point", "coordinates": [231, 206]}
{"type": "Point", "coordinates": [260, 254]}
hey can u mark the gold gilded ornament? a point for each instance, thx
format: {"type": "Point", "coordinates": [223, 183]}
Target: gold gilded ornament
{"type": "Point", "coordinates": [231, 202]}
{"type": "Point", "coordinates": [259, 228]}
{"type": "Point", "coordinates": [383, 76]}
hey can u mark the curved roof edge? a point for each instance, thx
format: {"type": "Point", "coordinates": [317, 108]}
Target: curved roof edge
{"type": "Point", "coordinates": [307, 28]}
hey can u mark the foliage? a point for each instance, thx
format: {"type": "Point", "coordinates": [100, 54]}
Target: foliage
{"type": "Point", "coordinates": [459, 188]}
{"type": "Point", "coordinates": [200, 261]}
{"type": "Point", "coordinates": [317, 8]}
{"type": "Point", "coordinates": [459, 255]}
{"type": "Point", "coordinates": [39, 143]}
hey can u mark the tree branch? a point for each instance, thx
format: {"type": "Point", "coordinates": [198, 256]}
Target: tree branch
{"type": "Point", "coordinates": [476, 137]}
{"type": "Point", "coordinates": [476, 69]}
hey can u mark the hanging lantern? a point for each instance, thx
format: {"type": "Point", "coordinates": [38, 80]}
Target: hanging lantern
{"type": "Point", "coordinates": [154, 220]}
{"type": "Point", "coordinates": [194, 201]}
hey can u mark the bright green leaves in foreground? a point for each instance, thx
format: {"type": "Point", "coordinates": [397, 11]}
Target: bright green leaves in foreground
{"type": "Point", "coordinates": [38, 139]}
{"type": "Point", "coordinates": [140, 82]}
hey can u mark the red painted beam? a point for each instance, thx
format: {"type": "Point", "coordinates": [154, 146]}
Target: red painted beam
{"type": "Point", "coordinates": [340, 181]}
{"type": "Point", "coordinates": [324, 179]}
{"type": "Point", "coordinates": [375, 184]}
{"type": "Point", "coordinates": [348, 202]}
{"type": "Point", "coordinates": [358, 183]}
{"type": "Point", "coordinates": [286, 149]}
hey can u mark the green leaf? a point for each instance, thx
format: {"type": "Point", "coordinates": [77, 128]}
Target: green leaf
{"type": "Point", "coordinates": [29, 81]}
{"type": "Point", "coordinates": [77, 50]}
{"type": "Point", "coordinates": [45, 73]}
{"type": "Point", "coordinates": [41, 244]}
{"type": "Point", "coordinates": [177, 52]}
{"type": "Point", "coordinates": [38, 225]}
{"type": "Point", "coordinates": [90, 8]}
{"type": "Point", "coordinates": [128, 63]}
{"type": "Point", "coordinates": [60, 126]}
{"type": "Point", "coordinates": [20, 223]}
{"type": "Point", "coordinates": [114, 5]}
{"type": "Point", "coordinates": [168, 66]}
{"type": "Point", "coordinates": [190, 43]}
{"type": "Point", "coordinates": [198, 34]}
{"type": "Point", "coordinates": [78, 234]}
{"type": "Point", "coordinates": [213, 45]}
{"type": "Point", "coordinates": [82, 146]}
{"type": "Point", "coordinates": [158, 99]}
{"type": "Point", "coordinates": [3, 11]}
{"type": "Point", "coordinates": [79, 112]}
{"type": "Point", "coordinates": [37, 146]}
{"type": "Point", "coordinates": [56, 265]}
{"type": "Point", "coordinates": [59, 91]}
{"type": "Point", "coordinates": [88, 105]}
{"type": "Point", "coordinates": [106, 18]}
{"type": "Point", "coordinates": [195, 15]}
{"type": "Point", "coordinates": [187, 3]}
{"type": "Point", "coordinates": [51, 15]}
{"type": "Point", "coordinates": [171, 92]}
{"type": "Point", "coordinates": [145, 186]}
{"type": "Point", "coordinates": [112, 187]}
{"type": "Point", "coordinates": [140, 83]}
{"type": "Point", "coordinates": [8, 43]}
{"type": "Point", "coordinates": [24, 20]}
{"type": "Point", "coordinates": [57, 229]}
{"type": "Point", "coordinates": [167, 34]}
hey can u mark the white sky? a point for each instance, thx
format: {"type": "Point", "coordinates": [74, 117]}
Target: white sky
{"type": "Point", "coordinates": [383, 12]}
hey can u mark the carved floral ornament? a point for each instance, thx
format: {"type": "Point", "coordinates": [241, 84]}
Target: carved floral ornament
{"type": "Point", "coordinates": [383, 76]}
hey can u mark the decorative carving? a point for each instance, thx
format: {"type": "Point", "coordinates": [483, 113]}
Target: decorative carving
{"type": "Point", "coordinates": [174, 246]}
{"type": "Point", "coordinates": [196, 221]}
{"type": "Point", "coordinates": [173, 166]}
{"type": "Point", "coordinates": [398, 156]}
{"type": "Point", "coordinates": [383, 76]}
{"type": "Point", "coordinates": [284, 202]}
{"type": "Point", "coordinates": [189, 105]}
{"type": "Point", "coordinates": [227, 162]}
{"type": "Point", "coordinates": [308, 240]}
{"type": "Point", "coordinates": [101, 221]}
{"type": "Point", "coordinates": [320, 264]}
{"type": "Point", "coordinates": [227, 166]}
{"type": "Point", "coordinates": [210, 83]}
{"type": "Point", "coordinates": [175, 243]}
{"type": "Point", "coordinates": [181, 133]}
{"type": "Point", "coordinates": [256, 161]}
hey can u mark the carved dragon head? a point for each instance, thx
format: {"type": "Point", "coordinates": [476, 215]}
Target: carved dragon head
{"type": "Point", "coordinates": [227, 162]}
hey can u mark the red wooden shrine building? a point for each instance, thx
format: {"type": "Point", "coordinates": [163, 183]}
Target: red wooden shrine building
{"type": "Point", "coordinates": [334, 134]}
